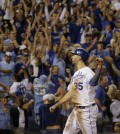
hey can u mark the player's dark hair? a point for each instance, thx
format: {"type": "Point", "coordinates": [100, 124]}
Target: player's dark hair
{"type": "Point", "coordinates": [17, 77]}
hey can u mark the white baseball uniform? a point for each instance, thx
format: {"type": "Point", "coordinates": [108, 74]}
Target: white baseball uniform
{"type": "Point", "coordinates": [19, 86]}
{"type": "Point", "coordinates": [83, 115]}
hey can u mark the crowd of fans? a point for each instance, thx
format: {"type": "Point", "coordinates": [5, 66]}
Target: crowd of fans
{"type": "Point", "coordinates": [37, 38]}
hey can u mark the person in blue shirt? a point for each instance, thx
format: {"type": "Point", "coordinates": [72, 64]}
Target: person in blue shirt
{"type": "Point", "coordinates": [53, 76]}
{"type": "Point", "coordinates": [40, 86]}
{"type": "Point", "coordinates": [108, 34]}
{"type": "Point", "coordinates": [49, 121]}
{"type": "Point", "coordinates": [5, 107]}
{"type": "Point", "coordinates": [100, 99]}
{"type": "Point", "coordinates": [7, 69]}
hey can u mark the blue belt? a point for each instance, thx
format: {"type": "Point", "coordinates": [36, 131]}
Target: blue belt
{"type": "Point", "coordinates": [83, 107]}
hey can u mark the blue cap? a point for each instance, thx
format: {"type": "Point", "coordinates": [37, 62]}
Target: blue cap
{"type": "Point", "coordinates": [7, 42]}
{"type": "Point", "coordinates": [43, 79]}
{"type": "Point", "coordinates": [82, 53]}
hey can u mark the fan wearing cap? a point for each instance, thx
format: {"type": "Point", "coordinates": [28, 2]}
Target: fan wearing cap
{"type": "Point", "coordinates": [81, 92]}
{"type": "Point", "coordinates": [49, 121]}
{"type": "Point", "coordinates": [7, 69]}
{"type": "Point", "coordinates": [6, 47]}
{"type": "Point", "coordinates": [5, 107]}
{"type": "Point", "coordinates": [23, 49]}
{"type": "Point", "coordinates": [40, 88]}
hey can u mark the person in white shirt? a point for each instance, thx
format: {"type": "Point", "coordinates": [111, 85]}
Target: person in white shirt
{"type": "Point", "coordinates": [115, 106]}
{"type": "Point", "coordinates": [6, 7]}
{"type": "Point", "coordinates": [18, 84]}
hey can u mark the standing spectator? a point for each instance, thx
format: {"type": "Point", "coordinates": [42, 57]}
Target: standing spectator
{"type": "Point", "coordinates": [5, 48]}
{"type": "Point", "coordinates": [53, 76]}
{"type": "Point", "coordinates": [20, 84]}
{"type": "Point", "coordinates": [100, 99]}
{"type": "Point", "coordinates": [111, 88]}
{"type": "Point", "coordinates": [40, 89]}
{"type": "Point", "coordinates": [50, 121]}
{"type": "Point", "coordinates": [7, 69]}
{"type": "Point", "coordinates": [5, 124]}
{"type": "Point", "coordinates": [23, 112]}
{"type": "Point", "coordinates": [115, 106]}
{"type": "Point", "coordinates": [23, 49]}
{"type": "Point", "coordinates": [60, 57]}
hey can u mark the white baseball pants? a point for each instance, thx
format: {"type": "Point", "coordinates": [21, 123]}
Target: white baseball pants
{"type": "Point", "coordinates": [82, 119]}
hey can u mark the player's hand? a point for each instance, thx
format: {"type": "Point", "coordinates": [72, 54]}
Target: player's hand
{"type": "Point", "coordinates": [52, 109]}
{"type": "Point", "coordinates": [99, 62]}
{"type": "Point", "coordinates": [103, 108]}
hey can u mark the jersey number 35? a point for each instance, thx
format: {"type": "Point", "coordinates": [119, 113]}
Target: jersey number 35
{"type": "Point", "coordinates": [78, 86]}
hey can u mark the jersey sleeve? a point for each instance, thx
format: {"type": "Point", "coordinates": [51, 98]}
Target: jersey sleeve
{"type": "Point", "coordinates": [25, 82]}
{"type": "Point", "coordinates": [89, 76]}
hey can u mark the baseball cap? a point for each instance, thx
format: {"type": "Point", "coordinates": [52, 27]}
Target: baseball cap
{"type": "Point", "coordinates": [25, 54]}
{"type": "Point", "coordinates": [4, 95]}
{"type": "Point", "coordinates": [43, 79]}
{"type": "Point", "coordinates": [7, 42]}
{"type": "Point", "coordinates": [50, 85]}
{"type": "Point", "coordinates": [48, 97]}
{"type": "Point", "coordinates": [8, 54]}
{"type": "Point", "coordinates": [22, 47]}
{"type": "Point", "coordinates": [82, 53]}
{"type": "Point", "coordinates": [19, 56]}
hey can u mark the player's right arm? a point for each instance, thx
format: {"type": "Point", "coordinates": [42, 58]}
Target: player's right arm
{"type": "Point", "coordinates": [95, 79]}
{"type": "Point", "coordinates": [66, 98]}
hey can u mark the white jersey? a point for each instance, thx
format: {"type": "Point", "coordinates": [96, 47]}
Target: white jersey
{"type": "Point", "coordinates": [19, 86]}
{"type": "Point", "coordinates": [83, 94]}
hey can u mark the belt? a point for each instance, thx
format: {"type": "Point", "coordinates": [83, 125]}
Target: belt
{"type": "Point", "coordinates": [83, 107]}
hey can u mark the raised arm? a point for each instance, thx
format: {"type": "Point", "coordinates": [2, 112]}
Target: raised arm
{"type": "Point", "coordinates": [117, 72]}
{"type": "Point", "coordinates": [95, 79]}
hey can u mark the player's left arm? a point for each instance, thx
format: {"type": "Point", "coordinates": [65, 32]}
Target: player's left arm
{"type": "Point", "coordinates": [95, 79]}
{"type": "Point", "coordinates": [66, 98]}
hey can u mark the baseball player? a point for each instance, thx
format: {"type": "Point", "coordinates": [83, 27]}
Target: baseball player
{"type": "Point", "coordinates": [81, 92]}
